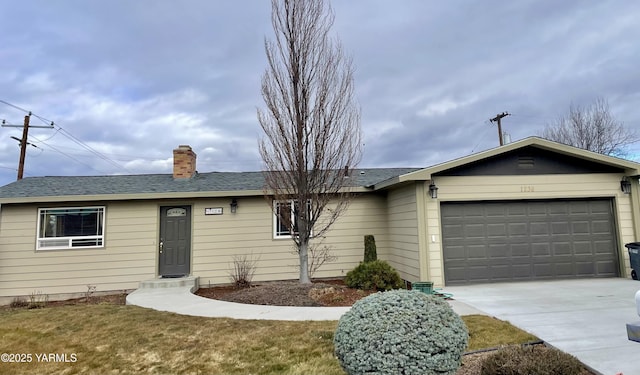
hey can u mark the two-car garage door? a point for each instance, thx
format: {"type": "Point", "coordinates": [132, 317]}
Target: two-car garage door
{"type": "Point", "coordinates": [528, 240]}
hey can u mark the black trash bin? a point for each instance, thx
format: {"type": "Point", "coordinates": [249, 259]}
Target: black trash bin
{"type": "Point", "coordinates": [634, 258]}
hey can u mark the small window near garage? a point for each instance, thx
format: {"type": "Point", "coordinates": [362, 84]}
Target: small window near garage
{"type": "Point", "coordinates": [70, 228]}
{"type": "Point", "coordinates": [284, 221]}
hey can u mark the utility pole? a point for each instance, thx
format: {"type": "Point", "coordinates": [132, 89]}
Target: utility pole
{"type": "Point", "coordinates": [497, 119]}
{"type": "Point", "coordinates": [23, 141]}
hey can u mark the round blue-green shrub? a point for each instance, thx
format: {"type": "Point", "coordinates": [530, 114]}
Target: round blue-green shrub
{"type": "Point", "coordinates": [400, 332]}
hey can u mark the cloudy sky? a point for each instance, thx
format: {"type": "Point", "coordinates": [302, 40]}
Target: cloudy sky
{"type": "Point", "coordinates": [125, 82]}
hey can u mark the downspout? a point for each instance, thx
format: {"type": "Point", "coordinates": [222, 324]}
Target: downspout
{"type": "Point", "coordinates": [635, 218]}
{"type": "Point", "coordinates": [635, 206]}
{"type": "Point", "coordinates": [423, 231]}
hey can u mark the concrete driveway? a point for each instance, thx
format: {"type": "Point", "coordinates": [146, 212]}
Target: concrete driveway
{"type": "Point", "coordinates": [586, 318]}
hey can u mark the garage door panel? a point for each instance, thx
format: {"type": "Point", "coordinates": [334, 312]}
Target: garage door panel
{"type": "Point", "coordinates": [536, 209]}
{"type": "Point", "coordinates": [557, 210]}
{"type": "Point", "coordinates": [539, 229]}
{"type": "Point", "coordinates": [496, 230]}
{"type": "Point", "coordinates": [601, 227]}
{"type": "Point", "coordinates": [540, 249]}
{"type": "Point", "coordinates": [515, 212]}
{"type": "Point", "coordinates": [603, 247]}
{"type": "Point", "coordinates": [518, 229]}
{"type": "Point", "coordinates": [580, 227]}
{"type": "Point", "coordinates": [495, 211]}
{"type": "Point", "coordinates": [585, 268]}
{"type": "Point", "coordinates": [521, 251]}
{"type": "Point", "coordinates": [606, 267]}
{"type": "Point", "coordinates": [474, 231]}
{"type": "Point", "coordinates": [542, 270]}
{"type": "Point", "coordinates": [476, 252]}
{"type": "Point", "coordinates": [521, 271]}
{"type": "Point", "coordinates": [559, 228]}
{"type": "Point", "coordinates": [562, 249]}
{"type": "Point", "coordinates": [498, 251]}
{"type": "Point", "coordinates": [583, 248]}
{"type": "Point", "coordinates": [528, 240]}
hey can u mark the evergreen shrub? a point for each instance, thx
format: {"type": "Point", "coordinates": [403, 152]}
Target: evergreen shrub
{"type": "Point", "coordinates": [377, 275]}
{"type": "Point", "coordinates": [539, 360]}
{"type": "Point", "coordinates": [370, 251]}
{"type": "Point", "coordinates": [400, 332]}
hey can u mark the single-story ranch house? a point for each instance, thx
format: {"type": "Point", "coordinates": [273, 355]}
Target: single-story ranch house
{"type": "Point", "coordinates": [529, 210]}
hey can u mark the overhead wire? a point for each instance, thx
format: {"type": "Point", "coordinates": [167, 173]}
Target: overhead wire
{"type": "Point", "coordinates": [67, 135]}
{"type": "Point", "coordinates": [69, 156]}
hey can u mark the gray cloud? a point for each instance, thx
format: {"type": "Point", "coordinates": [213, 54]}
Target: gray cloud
{"type": "Point", "coordinates": [135, 79]}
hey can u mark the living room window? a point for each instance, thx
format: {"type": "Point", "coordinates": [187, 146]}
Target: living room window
{"type": "Point", "coordinates": [285, 214]}
{"type": "Point", "coordinates": [70, 228]}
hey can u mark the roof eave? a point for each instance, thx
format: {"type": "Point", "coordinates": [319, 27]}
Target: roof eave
{"type": "Point", "coordinates": [146, 196]}
{"type": "Point", "coordinates": [125, 197]}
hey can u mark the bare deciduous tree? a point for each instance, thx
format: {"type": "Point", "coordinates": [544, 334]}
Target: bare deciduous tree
{"type": "Point", "coordinates": [311, 122]}
{"type": "Point", "coordinates": [591, 128]}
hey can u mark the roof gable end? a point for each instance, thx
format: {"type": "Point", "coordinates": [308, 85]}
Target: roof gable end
{"type": "Point", "coordinates": [567, 159]}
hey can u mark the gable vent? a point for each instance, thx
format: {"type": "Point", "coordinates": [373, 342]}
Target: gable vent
{"type": "Point", "coordinates": [526, 162]}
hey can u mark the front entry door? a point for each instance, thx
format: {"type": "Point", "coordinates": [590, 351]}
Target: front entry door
{"type": "Point", "coordinates": [175, 241]}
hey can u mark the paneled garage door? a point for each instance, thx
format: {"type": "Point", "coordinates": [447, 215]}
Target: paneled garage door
{"type": "Point", "coordinates": [486, 242]}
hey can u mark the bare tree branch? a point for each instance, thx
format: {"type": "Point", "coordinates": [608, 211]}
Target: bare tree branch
{"type": "Point", "coordinates": [311, 122]}
{"type": "Point", "coordinates": [592, 128]}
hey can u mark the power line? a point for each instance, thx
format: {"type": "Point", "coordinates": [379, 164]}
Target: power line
{"type": "Point", "coordinates": [67, 135]}
{"type": "Point", "coordinates": [69, 156]}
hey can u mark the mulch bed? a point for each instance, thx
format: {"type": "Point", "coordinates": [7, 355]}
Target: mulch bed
{"type": "Point", "coordinates": [288, 293]}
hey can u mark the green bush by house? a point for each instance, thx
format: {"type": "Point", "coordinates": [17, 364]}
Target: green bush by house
{"type": "Point", "coordinates": [377, 274]}
{"type": "Point", "coordinates": [370, 251]}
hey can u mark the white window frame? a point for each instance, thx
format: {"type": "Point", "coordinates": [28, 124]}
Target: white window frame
{"type": "Point", "coordinates": [276, 219]}
{"type": "Point", "coordinates": [44, 243]}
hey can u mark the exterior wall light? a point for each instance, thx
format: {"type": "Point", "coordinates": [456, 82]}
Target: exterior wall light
{"type": "Point", "coordinates": [433, 190]}
{"type": "Point", "coordinates": [234, 205]}
{"type": "Point", "coordinates": [625, 185]}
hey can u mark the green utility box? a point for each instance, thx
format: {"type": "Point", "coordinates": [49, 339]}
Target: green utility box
{"type": "Point", "coordinates": [423, 286]}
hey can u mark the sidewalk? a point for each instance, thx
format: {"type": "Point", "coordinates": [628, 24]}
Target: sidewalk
{"type": "Point", "coordinates": [181, 300]}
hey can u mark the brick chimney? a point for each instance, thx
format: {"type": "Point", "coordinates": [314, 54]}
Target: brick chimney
{"type": "Point", "coordinates": [184, 162]}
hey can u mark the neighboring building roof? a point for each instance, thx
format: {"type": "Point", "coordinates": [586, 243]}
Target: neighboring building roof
{"type": "Point", "coordinates": [151, 186]}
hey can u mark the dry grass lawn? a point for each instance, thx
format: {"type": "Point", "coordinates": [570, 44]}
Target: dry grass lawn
{"type": "Point", "coordinates": [111, 339]}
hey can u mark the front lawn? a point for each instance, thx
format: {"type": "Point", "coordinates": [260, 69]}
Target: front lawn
{"type": "Point", "coordinates": [116, 339]}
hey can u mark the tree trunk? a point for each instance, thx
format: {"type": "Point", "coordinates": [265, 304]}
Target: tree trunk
{"type": "Point", "coordinates": [303, 252]}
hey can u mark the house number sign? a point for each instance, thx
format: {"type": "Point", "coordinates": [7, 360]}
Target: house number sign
{"type": "Point", "coordinates": [213, 211]}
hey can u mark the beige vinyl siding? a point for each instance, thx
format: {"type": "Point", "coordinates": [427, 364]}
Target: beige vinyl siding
{"type": "Point", "coordinates": [403, 247]}
{"type": "Point", "coordinates": [131, 245]}
{"type": "Point", "coordinates": [218, 238]}
{"type": "Point", "coordinates": [477, 188]}
{"type": "Point", "coordinates": [127, 258]}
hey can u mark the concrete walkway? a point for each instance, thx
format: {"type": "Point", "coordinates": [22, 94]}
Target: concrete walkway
{"type": "Point", "coordinates": [177, 296]}
{"type": "Point", "coordinates": [586, 318]}
{"type": "Point", "coordinates": [181, 300]}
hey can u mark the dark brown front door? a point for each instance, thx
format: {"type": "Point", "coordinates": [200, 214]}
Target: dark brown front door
{"type": "Point", "coordinates": [175, 241]}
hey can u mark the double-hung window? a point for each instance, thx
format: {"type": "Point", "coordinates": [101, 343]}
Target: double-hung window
{"type": "Point", "coordinates": [70, 227]}
{"type": "Point", "coordinates": [285, 215]}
